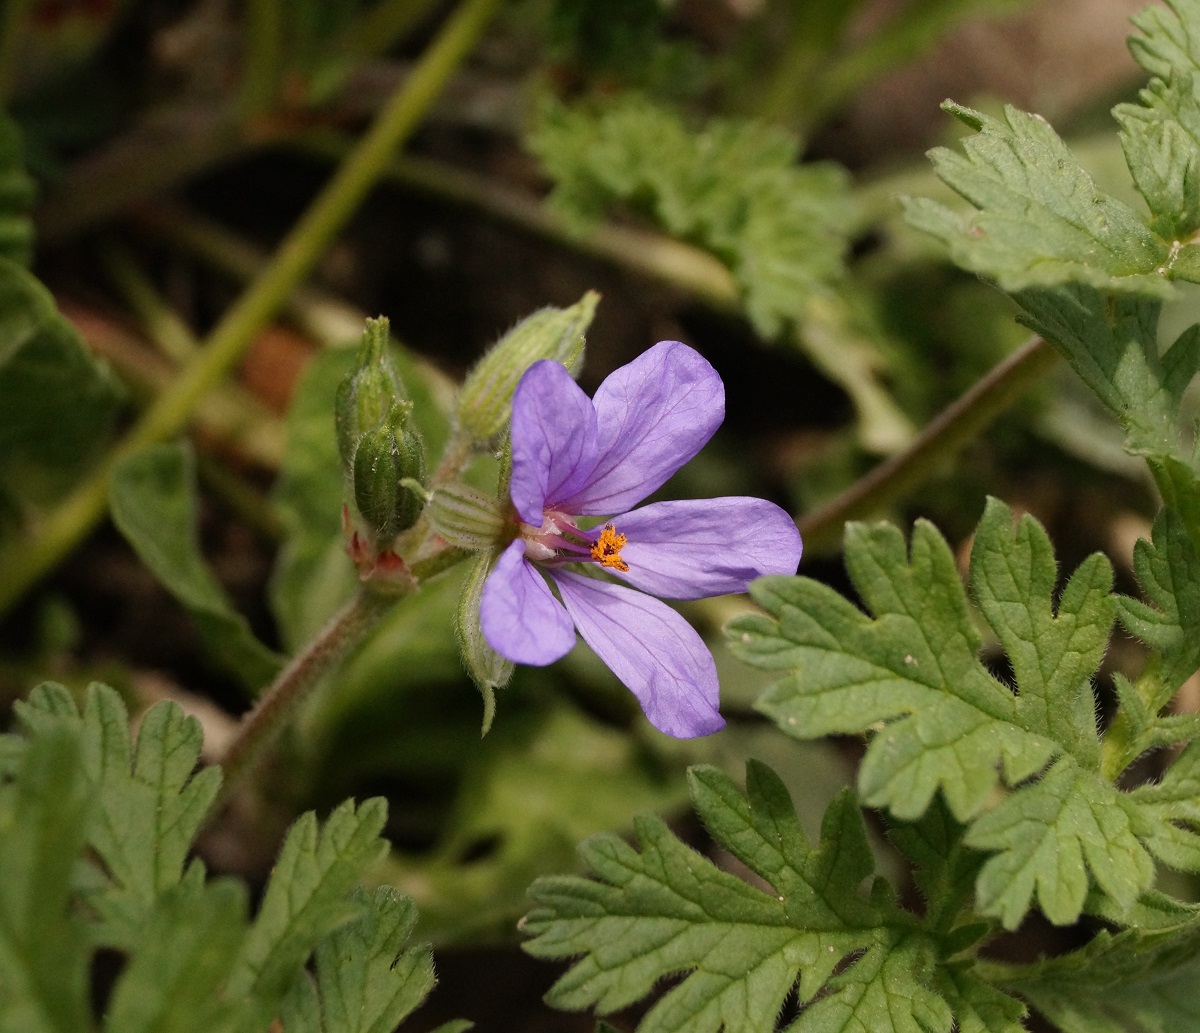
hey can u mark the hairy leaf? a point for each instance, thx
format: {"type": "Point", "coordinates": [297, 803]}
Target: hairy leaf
{"type": "Point", "coordinates": [1041, 220]}
{"type": "Point", "coordinates": [367, 981]}
{"type": "Point", "coordinates": [1161, 135]}
{"type": "Point", "coordinates": [43, 828]}
{"type": "Point", "coordinates": [176, 975]}
{"type": "Point", "coordinates": [152, 495]}
{"type": "Point", "coordinates": [664, 909]}
{"type": "Point", "coordinates": [1118, 983]}
{"type": "Point", "coordinates": [909, 672]}
{"type": "Point", "coordinates": [307, 898]}
{"type": "Point", "coordinates": [148, 802]}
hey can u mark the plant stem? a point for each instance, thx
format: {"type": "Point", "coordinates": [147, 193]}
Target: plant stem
{"type": "Point", "coordinates": [22, 564]}
{"type": "Point", "coordinates": [262, 725]}
{"type": "Point", "coordinates": [344, 633]}
{"type": "Point", "coordinates": [944, 435]}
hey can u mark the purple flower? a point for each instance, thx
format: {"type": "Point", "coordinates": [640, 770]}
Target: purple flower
{"type": "Point", "coordinates": [577, 457]}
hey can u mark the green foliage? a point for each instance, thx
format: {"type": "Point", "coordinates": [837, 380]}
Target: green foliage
{"type": "Point", "coordinates": [909, 672]}
{"type": "Point", "coordinates": [58, 402]}
{"type": "Point", "coordinates": [97, 831]}
{"type": "Point", "coordinates": [664, 909]}
{"type": "Point", "coordinates": [734, 188]}
{"type": "Point", "coordinates": [152, 497]}
{"type": "Point", "coordinates": [1041, 221]}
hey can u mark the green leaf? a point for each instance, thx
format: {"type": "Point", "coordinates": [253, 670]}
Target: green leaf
{"type": "Point", "coordinates": [148, 803]}
{"type": "Point", "coordinates": [16, 196]}
{"type": "Point", "coordinates": [1168, 572]}
{"type": "Point", "coordinates": [58, 402]}
{"type": "Point", "coordinates": [43, 824]}
{"type": "Point", "coordinates": [175, 977]}
{"type": "Point", "coordinates": [366, 980]}
{"type": "Point", "coordinates": [1131, 981]}
{"type": "Point", "coordinates": [888, 988]}
{"type": "Point", "coordinates": [1111, 342]}
{"type": "Point", "coordinates": [1161, 135]}
{"type": "Point", "coordinates": [666, 909]}
{"type": "Point", "coordinates": [306, 900]}
{"type": "Point", "coordinates": [1050, 836]}
{"type": "Point", "coordinates": [911, 674]}
{"type": "Point", "coordinates": [152, 496]}
{"type": "Point", "coordinates": [737, 190]}
{"type": "Point", "coordinates": [1172, 805]}
{"type": "Point", "coordinates": [1041, 220]}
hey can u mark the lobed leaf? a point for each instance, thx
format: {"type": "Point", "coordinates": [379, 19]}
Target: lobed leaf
{"type": "Point", "coordinates": [43, 950]}
{"type": "Point", "coordinates": [908, 671]}
{"type": "Point", "coordinates": [175, 977]}
{"type": "Point", "coordinates": [307, 898]}
{"type": "Point", "coordinates": [1133, 980]}
{"type": "Point", "coordinates": [152, 496]}
{"type": "Point", "coordinates": [148, 802]}
{"type": "Point", "coordinates": [662, 910]}
{"type": "Point", "coordinates": [366, 980]}
{"type": "Point", "coordinates": [1161, 135]}
{"type": "Point", "coordinates": [1040, 219]}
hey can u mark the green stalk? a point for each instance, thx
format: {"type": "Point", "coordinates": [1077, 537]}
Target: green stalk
{"type": "Point", "coordinates": [262, 56]}
{"type": "Point", "coordinates": [344, 633]}
{"type": "Point", "coordinates": [944, 435]}
{"type": "Point", "coordinates": [22, 564]}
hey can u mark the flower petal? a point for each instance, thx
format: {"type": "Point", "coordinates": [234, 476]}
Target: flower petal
{"type": "Point", "coordinates": [553, 439]}
{"type": "Point", "coordinates": [701, 547]}
{"type": "Point", "coordinates": [652, 649]}
{"type": "Point", "coordinates": [520, 617]}
{"type": "Point", "coordinates": [653, 416]}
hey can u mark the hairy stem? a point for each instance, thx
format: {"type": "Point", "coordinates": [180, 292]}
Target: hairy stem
{"type": "Point", "coordinates": [944, 435]}
{"type": "Point", "coordinates": [344, 633]}
{"type": "Point", "coordinates": [24, 563]}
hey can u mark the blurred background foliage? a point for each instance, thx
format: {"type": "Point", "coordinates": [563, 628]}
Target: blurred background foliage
{"type": "Point", "coordinates": [723, 171]}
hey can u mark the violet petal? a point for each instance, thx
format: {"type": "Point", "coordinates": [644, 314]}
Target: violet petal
{"type": "Point", "coordinates": [653, 416]}
{"type": "Point", "coordinates": [520, 617]}
{"type": "Point", "coordinates": [652, 649]}
{"type": "Point", "coordinates": [695, 548]}
{"type": "Point", "coordinates": [553, 439]}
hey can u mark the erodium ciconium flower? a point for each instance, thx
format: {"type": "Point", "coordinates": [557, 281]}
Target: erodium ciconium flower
{"type": "Point", "coordinates": [576, 457]}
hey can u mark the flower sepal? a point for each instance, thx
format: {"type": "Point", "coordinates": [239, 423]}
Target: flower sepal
{"type": "Point", "coordinates": [466, 517]}
{"type": "Point", "coordinates": [488, 669]}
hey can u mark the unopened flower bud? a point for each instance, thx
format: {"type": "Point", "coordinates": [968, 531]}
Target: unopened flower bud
{"type": "Point", "coordinates": [485, 401]}
{"type": "Point", "coordinates": [382, 453]}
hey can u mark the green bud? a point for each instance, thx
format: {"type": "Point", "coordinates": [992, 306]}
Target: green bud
{"type": "Point", "coordinates": [487, 668]}
{"type": "Point", "coordinates": [466, 517]}
{"type": "Point", "coordinates": [382, 453]}
{"type": "Point", "coordinates": [485, 401]}
{"type": "Point", "coordinates": [368, 393]}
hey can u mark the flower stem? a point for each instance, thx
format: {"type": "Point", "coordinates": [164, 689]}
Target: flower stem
{"type": "Point", "coordinates": [263, 725]}
{"type": "Point", "coordinates": [955, 425]}
{"type": "Point", "coordinates": [24, 563]}
{"type": "Point", "coordinates": [344, 633]}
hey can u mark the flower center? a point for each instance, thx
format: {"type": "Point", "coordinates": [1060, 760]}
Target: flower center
{"type": "Point", "coordinates": [607, 548]}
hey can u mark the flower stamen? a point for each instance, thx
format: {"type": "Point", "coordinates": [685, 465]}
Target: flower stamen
{"type": "Point", "coordinates": [607, 549]}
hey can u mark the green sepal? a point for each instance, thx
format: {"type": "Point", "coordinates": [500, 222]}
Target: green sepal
{"type": "Point", "coordinates": [485, 401]}
{"type": "Point", "coordinates": [488, 669]}
{"type": "Point", "coordinates": [466, 517]}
